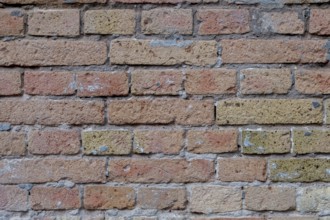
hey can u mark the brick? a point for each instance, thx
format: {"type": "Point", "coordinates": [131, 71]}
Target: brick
{"type": "Point", "coordinates": [299, 170]}
{"type": "Point", "coordinates": [167, 21]}
{"type": "Point", "coordinates": [108, 197]}
{"type": "Point", "coordinates": [25, 2]}
{"type": "Point", "coordinates": [51, 198]}
{"type": "Point", "coordinates": [52, 170]}
{"type": "Point", "coordinates": [266, 142]}
{"type": "Point", "coordinates": [54, 142]}
{"type": "Point", "coordinates": [116, 21]}
{"type": "Point", "coordinates": [211, 81]}
{"type": "Point", "coordinates": [215, 199]}
{"type": "Point", "coordinates": [158, 141]}
{"type": "Point", "coordinates": [314, 199]}
{"type": "Point", "coordinates": [156, 1]}
{"type": "Point", "coordinates": [270, 198]}
{"type": "Point", "coordinates": [49, 83]}
{"type": "Point", "coordinates": [212, 141]}
{"type": "Point", "coordinates": [107, 142]}
{"type": "Point", "coordinates": [160, 170]}
{"type": "Point", "coordinates": [156, 82]}
{"type": "Point", "coordinates": [269, 111]}
{"type": "Point", "coordinates": [314, 81]}
{"type": "Point", "coordinates": [11, 22]}
{"type": "Point", "coordinates": [242, 169]}
{"type": "Point", "coordinates": [319, 21]}
{"type": "Point", "coordinates": [162, 198]}
{"type": "Point", "coordinates": [52, 53]}
{"type": "Point", "coordinates": [230, 218]}
{"type": "Point", "coordinates": [12, 198]}
{"type": "Point", "coordinates": [51, 112]}
{"type": "Point", "coordinates": [311, 141]}
{"type": "Point", "coordinates": [12, 143]}
{"type": "Point", "coordinates": [162, 52]}
{"type": "Point", "coordinates": [297, 217]}
{"type": "Point", "coordinates": [10, 82]}
{"type": "Point", "coordinates": [274, 51]}
{"type": "Point", "coordinates": [276, 3]}
{"type": "Point", "coordinates": [285, 22]}
{"type": "Point", "coordinates": [304, 1]}
{"type": "Point", "coordinates": [223, 21]}
{"type": "Point", "coordinates": [161, 111]}
{"type": "Point", "coordinates": [327, 111]}
{"type": "Point", "coordinates": [265, 81]}
{"type": "Point", "coordinates": [102, 84]}
{"type": "Point", "coordinates": [63, 22]}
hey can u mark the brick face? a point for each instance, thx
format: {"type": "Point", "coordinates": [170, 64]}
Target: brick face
{"type": "Point", "coordinates": [13, 198]}
{"type": "Point", "coordinates": [12, 143]}
{"type": "Point", "coordinates": [10, 83]}
{"type": "Point", "coordinates": [313, 81]}
{"type": "Point", "coordinates": [319, 22]}
{"type": "Point", "coordinates": [11, 22]}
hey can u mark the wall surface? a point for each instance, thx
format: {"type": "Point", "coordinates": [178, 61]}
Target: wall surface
{"type": "Point", "coordinates": [165, 109]}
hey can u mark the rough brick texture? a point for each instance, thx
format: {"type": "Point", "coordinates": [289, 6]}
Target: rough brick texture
{"type": "Point", "coordinates": [11, 22]}
{"type": "Point", "coordinates": [10, 83]}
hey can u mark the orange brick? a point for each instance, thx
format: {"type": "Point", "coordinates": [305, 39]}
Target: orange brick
{"type": "Point", "coordinates": [313, 81]}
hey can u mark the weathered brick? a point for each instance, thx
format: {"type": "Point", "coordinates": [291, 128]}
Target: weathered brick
{"type": "Point", "coordinates": [285, 22]}
{"type": "Point", "coordinates": [102, 84]}
{"type": "Point", "coordinates": [270, 198]}
{"type": "Point", "coordinates": [275, 3]}
{"type": "Point", "coordinates": [269, 111]}
{"type": "Point", "coordinates": [162, 198]}
{"type": "Point", "coordinates": [311, 141]}
{"type": "Point", "coordinates": [51, 198]}
{"type": "Point", "coordinates": [161, 111]}
{"type": "Point", "coordinates": [51, 112]}
{"type": "Point", "coordinates": [158, 141]}
{"type": "Point", "coordinates": [215, 199]}
{"type": "Point", "coordinates": [162, 52]}
{"type": "Point", "coordinates": [160, 170]}
{"type": "Point", "coordinates": [52, 52]}
{"type": "Point", "coordinates": [156, 82]}
{"type": "Point", "coordinates": [156, 1]}
{"type": "Point", "coordinates": [167, 21]}
{"type": "Point", "coordinates": [242, 169]}
{"type": "Point", "coordinates": [314, 81]}
{"type": "Point", "coordinates": [212, 141]}
{"type": "Point", "coordinates": [115, 21]}
{"type": "Point", "coordinates": [265, 142]}
{"type": "Point", "coordinates": [314, 199]}
{"type": "Point", "coordinates": [319, 21]}
{"type": "Point", "coordinates": [12, 198]}
{"type": "Point", "coordinates": [299, 170]}
{"type": "Point", "coordinates": [108, 197]}
{"type": "Point", "coordinates": [54, 142]}
{"type": "Point", "coordinates": [274, 51]}
{"type": "Point", "coordinates": [294, 217]}
{"type": "Point", "coordinates": [52, 170]}
{"type": "Point", "coordinates": [304, 1]}
{"type": "Point", "coordinates": [265, 81]}
{"type": "Point", "coordinates": [10, 82]}
{"type": "Point", "coordinates": [49, 83]}
{"type": "Point", "coordinates": [107, 142]}
{"type": "Point", "coordinates": [223, 21]}
{"type": "Point", "coordinates": [327, 111]}
{"type": "Point", "coordinates": [11, 22]}
{"type": "Point", "coordinates": [24, 2]}
{"type": "Point", "coordinates": [229, 218]}
{"type": "Point", "coordinates": [12, 143]}
{"type": "Point", "coordinates": [211, 81]}
{"type": "Point", "coordinates": [63, 22]}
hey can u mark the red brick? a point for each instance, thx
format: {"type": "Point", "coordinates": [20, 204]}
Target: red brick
{"type": "Point", "coordinates": [211, 81]}
{"type": "Point", "coordinates": [319, 21]}
{"type": "Point", "coordinates": [49, 83]}
{"type": "Point", "coordinates": [160, 170]}
{"type": "Point", "coordinates": [242, 169]}
{"type": "Point", "coordinates": [274, 51]}
{"type": "Point", "coordinates": [167, 21]}
{"type": "Point", "coordinates": [52, 53]}
{"type": "Point", "coordinates": [156, 82]}
{"type": "Point", "coordinates": [161, 111]}
{"type": "Point", "coordinates": [63, 22]}
{"type": "Point", "coordinates": [54, 142]}
{"type": "Point", "coordinates": [10, 83]}
{"type": "Point", "coordinates": [53, 112]}
{"type": "Point", "coordinates": [102, 84]}
{"type": "Point", "coordinates": [12, 143]}
{"type": "Point", "coordinates": [223, 21]}
{"type": "Point", "coordinates": [11, 22]}
{"type": "Point", "coordinates": [212, 141]}
{"type": "Point", "coordinates": [313, 81]}
{"type": "Point", "coordinates": [50, 198]}
{"type": "Point", "coordinates": [13, 198]}
{"type": "Point", "coordinates": [52, 170]}
{"type": "Point", "coordinates": [108, 197]}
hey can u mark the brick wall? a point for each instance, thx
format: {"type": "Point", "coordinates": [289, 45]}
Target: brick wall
{"type": "Point", "coordinates": [165, 109]}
